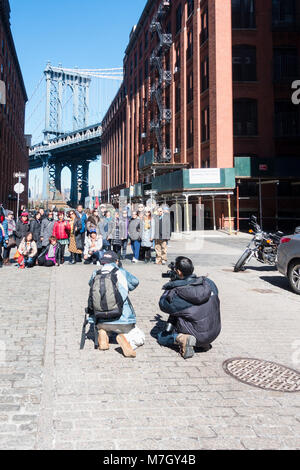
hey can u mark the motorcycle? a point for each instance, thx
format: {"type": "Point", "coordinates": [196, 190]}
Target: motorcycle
{"type": "Point", "coordinates": [263, 247]}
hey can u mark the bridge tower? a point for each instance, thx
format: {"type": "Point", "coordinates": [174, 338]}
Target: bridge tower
{"type": "Point", "coordinates": [58, 80]}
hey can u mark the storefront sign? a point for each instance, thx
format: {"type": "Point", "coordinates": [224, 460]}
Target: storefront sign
{"type": "Point", "coordinates": [205, 176]}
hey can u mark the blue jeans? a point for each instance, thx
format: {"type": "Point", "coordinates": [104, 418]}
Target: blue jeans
{"type": "Point", "coordinates": [168, 340]}
{"type": "Point", "coordinates": [29, 262]}
{"type": "Point", "coordinates": [136, 246]}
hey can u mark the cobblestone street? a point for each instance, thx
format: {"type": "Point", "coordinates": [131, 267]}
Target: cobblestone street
{"type": "Point", "coordinates": [54, 396]}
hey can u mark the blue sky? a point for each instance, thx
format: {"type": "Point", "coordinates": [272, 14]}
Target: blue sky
{"type": "Point", "coordinates": [87, 34]}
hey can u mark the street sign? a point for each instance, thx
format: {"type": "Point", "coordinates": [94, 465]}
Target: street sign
{"type": "Point", "coordinates": [19, 175]}
{"type": "Point", "coordinates": [150, 193]}
{"type": "Point", "coordinates": [19, 188]}
{"type": "Point", "coordinates": [263, 167]}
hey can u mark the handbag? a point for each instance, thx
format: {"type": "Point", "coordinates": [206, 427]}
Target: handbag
{"type": "Point", "coordinates": [11, 242]}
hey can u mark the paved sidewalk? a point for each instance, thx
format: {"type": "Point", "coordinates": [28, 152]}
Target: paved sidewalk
{"type": "Point", "coordinates": [65, 398]}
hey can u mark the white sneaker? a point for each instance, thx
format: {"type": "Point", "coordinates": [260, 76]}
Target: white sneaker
{"type": "Point", "coordinates": [135, 260]}
{"type": "Point", "coordinates": [98, 263]}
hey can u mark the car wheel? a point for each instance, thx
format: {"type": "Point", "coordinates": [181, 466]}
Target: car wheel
{"type": "Point", "coordinates": [294, 276]}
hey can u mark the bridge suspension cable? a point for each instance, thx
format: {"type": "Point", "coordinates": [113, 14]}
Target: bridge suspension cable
{"type": "Point", "coordinates": [36, 108]}
{"type": "Point", "coordinates": [36, 88]}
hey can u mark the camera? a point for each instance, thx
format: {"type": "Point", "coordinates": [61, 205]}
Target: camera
{"type": "Point", "coordinates": [171, 274]}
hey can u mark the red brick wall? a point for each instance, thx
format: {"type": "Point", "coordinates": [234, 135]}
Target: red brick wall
{"type": "Point", "coordinates": [13, 151]}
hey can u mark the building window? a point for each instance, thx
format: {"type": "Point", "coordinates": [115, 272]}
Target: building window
{"type": "Point", "coordinates": [177, 138]}
{"type": "Point", "coordinates": [177, 98]}
{"type": "Point", "coordinates": [283, 13]}
{"type": "Point", "coordinates": [204, 27]}
{"type": "Point", "coordinates": [178, 18]}
{"type": "Point", "coordinates": [243, 14]}
{"type": "Point", "coordinates": [190, 133]}
{"type": "Point", "coordinates": [244, 63]}
{"type": "Point", "coordinates": [190, 94]}
{"type": "Point", "coordinates": [189, 50]}
{"type": "Point", "coordinates": [205, 125]}
{"type": "Point", "coordinates": [205, 74]}
{"type": "Point", "coordinates": [177, 63]}
{"type": "Point", "coordinates": [146, 69]}
{"type": "Point", "coordinates": [285, 64]}
{"type": "Point", "coordinates": [141, 50]}
{"type": "Point", "coordinates": [146, 40]}
{"type": "Point", "coordinates": [245, 117]}
{"type": "Point", "coordinates": [206, 163]}
{"type": "Point", "coordinates": [286, 119]}
{"type": "Point", "coordinates": [190, 7]}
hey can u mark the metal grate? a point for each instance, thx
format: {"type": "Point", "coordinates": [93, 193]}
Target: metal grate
{"type": "Point", "coordinates": [263, 374]}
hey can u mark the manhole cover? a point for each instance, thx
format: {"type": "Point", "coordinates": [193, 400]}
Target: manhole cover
{"type": "Point", "coordinates": [263, 374]}
{"type": "Point", "coordinates": [263, 291]}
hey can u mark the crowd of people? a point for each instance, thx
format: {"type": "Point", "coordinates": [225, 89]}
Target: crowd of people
{"type": "Point", "coordinates": [101, 237]}
{"type": "Point", "coordinates": [42, 237]}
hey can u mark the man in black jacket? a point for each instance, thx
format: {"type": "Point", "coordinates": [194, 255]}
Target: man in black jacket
{"type": "Point", "coordinates": [194, 308]}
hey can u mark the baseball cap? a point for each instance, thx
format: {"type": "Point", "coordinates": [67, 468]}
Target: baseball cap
{"type": "Point", "coordinates": [93, 230]}
{"type": "Point", "coordinates": [109, 257]}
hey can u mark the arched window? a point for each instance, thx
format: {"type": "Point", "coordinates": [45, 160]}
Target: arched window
{"type": "Point", "coordinates": [244, 63]}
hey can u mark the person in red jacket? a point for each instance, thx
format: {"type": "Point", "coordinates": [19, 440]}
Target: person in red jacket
{"type": "Point", "coordinates": [61, 231]}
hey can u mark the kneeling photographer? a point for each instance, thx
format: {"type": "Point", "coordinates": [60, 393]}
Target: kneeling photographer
{"type": "Point", "coordinates": [194, 308]}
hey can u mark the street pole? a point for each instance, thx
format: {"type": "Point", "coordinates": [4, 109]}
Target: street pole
{"type": "Point", "coordinates": [260, 204]}
{"type": "Point", "coordinates": [18, 200]}
{"type": "Point", "coordinates": [214, 212]}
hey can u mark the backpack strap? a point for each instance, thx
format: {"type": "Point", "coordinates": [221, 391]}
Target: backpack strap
{"type": "Point", "coordinates": [117, 293]}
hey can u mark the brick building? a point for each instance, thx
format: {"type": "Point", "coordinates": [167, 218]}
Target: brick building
{"type": "Point", "coordinates": [205, 114]}
{"type": "Point", "coordinates": [13, 145]}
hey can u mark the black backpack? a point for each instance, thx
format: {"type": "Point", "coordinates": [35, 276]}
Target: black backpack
{"type": "Point", "coordinates": [105, 300]}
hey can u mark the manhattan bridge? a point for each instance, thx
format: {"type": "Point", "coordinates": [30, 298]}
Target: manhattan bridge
{"type": "Point", "coordinates": [68, 138]}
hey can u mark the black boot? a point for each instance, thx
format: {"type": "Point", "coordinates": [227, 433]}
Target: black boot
{"type": "Point", "coordinates": [73, 260]}
{"type": "Point", "coordinates": [78, 258]}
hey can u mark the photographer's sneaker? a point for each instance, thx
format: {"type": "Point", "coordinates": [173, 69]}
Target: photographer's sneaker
{"type": "Point", "coordinates": [126, 346]}
{"type": "Point", "coordinates": [103, 340]}
{"type": "Point", "coordinates": [186, 344]}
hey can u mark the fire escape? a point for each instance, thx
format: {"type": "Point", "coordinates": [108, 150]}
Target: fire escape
{"type": "Point", "coordinates": [164, 80]}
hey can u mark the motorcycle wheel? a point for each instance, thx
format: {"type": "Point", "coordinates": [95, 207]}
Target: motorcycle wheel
{"type": "Point", "coordinates": [294, 276]}
{"type": "Point", "coordinates": [241, 262]}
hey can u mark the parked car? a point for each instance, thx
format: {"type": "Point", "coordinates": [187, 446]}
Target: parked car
{"type": "Point", "coordinates": [289, 260]}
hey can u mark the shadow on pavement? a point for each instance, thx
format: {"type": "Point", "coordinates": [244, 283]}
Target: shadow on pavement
{"type": "Point", "coordinates": [160, 325]}
{"type": "Point", "coordinates": [277, 281]}
{"type": "Point", "coordinates": [262, 268]}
